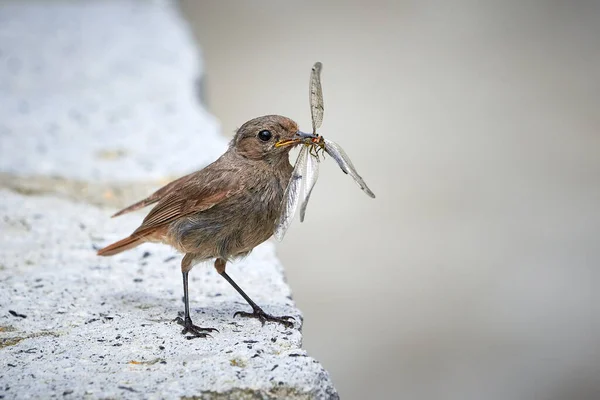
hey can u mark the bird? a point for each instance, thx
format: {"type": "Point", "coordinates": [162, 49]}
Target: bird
{"type": "Point", "coordinates": [222, 211]}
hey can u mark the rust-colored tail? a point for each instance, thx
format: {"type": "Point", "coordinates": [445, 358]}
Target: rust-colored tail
{"type": "Point", "coordinates": [122, 245]}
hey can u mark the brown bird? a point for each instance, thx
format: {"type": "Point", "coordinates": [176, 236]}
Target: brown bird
{"type": "Point", "coordinates": [224, 210]}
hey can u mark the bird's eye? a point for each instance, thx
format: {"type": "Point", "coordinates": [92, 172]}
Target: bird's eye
{"type": "Point", "coordinates": [264, 135]}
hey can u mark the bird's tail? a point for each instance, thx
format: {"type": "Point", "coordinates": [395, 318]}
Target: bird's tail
{"type": "Point", "coordinates": [122, 245]}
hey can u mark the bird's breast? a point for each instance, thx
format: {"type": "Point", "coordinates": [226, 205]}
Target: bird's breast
{"type": "Point", "coordinates": [234, 226]}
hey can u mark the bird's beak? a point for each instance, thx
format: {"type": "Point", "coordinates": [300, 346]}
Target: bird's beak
{"type": "Point", "coordinates": [298, 138]}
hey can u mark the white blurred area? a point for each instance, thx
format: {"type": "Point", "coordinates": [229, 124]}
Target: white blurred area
{"type": "Point", "coordinates": [474, 274]}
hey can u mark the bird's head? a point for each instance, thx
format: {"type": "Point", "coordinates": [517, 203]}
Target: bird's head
{"type": "Point", "coordinates": [270, 138]}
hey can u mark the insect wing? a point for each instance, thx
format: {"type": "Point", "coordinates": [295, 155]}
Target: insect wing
{"type": "Point", "coordinates": [316, 97]}
{"type": "Point", "coordinates": [311, 175]}
{"type": "Point", "coordinates": [340, 156]}
{"type": "Point", "coordinates": [291, 196]}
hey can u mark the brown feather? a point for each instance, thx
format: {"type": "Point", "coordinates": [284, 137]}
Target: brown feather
{"type": "Point", "coordinates": [187, 199]}
{"type": "Point", "coordinates": [154, 197]}
{"type": "Point", "coordinates": [122, 245]}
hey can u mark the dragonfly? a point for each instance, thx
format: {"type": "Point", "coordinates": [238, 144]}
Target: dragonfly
{"type": "Point", "coordinates": [306, 170]}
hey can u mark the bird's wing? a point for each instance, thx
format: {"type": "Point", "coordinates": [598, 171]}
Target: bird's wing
{"type": "Point", "coordinates": [156, 196]}
{"type": "Point", "coordinates": [194, 195]}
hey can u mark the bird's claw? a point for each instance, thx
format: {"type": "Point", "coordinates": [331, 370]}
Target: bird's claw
{"type": "Point", "coordinates": [194, 330]}
{"type": "Point", "coordinates": [262, 316]}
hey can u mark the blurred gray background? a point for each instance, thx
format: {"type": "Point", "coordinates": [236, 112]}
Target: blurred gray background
{"type": "Point", "coordinates": [473, 275]}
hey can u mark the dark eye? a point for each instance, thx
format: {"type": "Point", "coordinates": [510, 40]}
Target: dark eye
{"type": "Point", "coordinates": [264, 135]}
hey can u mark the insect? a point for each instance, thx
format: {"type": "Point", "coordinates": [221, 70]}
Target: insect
{"type": "Point", "coordinates": [306, 169]}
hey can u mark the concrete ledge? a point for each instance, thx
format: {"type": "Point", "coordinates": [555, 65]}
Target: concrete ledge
{"type": "Point", "coordinates": [98, 102]}
{"type": "Point", "coordinates": [74, 323]}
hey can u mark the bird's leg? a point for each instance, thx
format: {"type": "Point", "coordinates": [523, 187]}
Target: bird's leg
{"type": "Point", "coordinates": [186, 322]}
{"type": "Point", "coordinates": [257, 312]}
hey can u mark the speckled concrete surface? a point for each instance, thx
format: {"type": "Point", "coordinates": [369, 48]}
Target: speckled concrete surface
{"type": "Point", "coordinates": [74, 323]}
{"type": "Point", "coordinates": [82, 106]}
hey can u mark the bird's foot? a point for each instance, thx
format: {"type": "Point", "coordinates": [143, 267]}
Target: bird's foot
{"type": "Point", "coordinates": [194, 330]}
{"type": "Point", "coordinates": [262, 316]}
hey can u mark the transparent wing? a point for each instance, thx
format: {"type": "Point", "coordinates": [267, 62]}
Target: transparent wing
{"type": "Point", "coordinates": [316, 97]}
{"type": "Point", "coordinates": [291, 196]}
{"type": "Point", "coordinates": [340, 156]}
{"type": "Point", "coordinates": [311, 175]}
